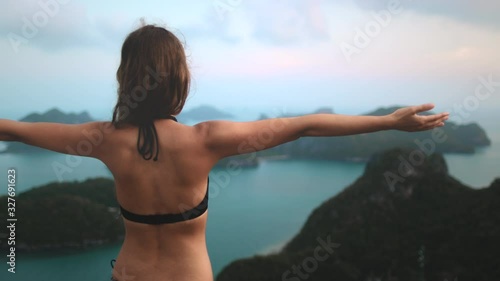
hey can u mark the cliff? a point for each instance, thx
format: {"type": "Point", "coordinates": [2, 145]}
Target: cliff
{"type": "Point", "coordinates": [402, 220]}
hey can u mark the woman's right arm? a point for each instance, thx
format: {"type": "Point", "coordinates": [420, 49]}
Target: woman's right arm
{"type": "Point", "coordinates": [226, 138]}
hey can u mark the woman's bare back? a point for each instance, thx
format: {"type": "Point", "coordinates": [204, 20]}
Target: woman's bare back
{"type": "Point", "coordinates": [173, 184]}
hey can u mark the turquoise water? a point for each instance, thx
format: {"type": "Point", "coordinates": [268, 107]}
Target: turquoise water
{"type": "Point", "coordinates": [256, 212]}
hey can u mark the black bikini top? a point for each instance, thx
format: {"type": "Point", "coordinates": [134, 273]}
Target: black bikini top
{"type": "Point", "coordinates": [169, 218]}
{"type": "Point", "coordinates": [148, 130]}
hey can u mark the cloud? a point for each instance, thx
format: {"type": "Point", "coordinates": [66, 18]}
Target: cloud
{"type": "Point", "coordinates": [269, 22]}
{"type": "Point", "coordinates": [482, 12]}
{"type": "Point", "coordinates": [58, 25]}
{"type": "Point", "coordinates": [289, 22]}
{"type": "Point", "coordinates": [48, 24]}
{"type": "Point", "coordinates": [258, 38]}
{"type": "Point", "coordinates": [296, 22]}
{"type": "Point", "coordinates": [412, 45]}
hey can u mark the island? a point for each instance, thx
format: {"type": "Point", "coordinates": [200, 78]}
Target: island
{"type": "Point", "coordinates": [458, 138]}
{"type": "Point", "coordinates": [401, 220]}
{"type": "Point", "coordinates": [66, 216]}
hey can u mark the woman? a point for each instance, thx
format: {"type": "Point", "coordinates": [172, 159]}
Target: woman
{"type": "Point", "coordinates": [161, 167]}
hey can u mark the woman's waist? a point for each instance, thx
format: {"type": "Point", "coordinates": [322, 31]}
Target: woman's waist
{"type": "Point", "coordinates": [168, 263]}
{"type": "Point", "coordinates": [159, 247]}
{"type": "Point", "coordinates": [175, 258]}
{"type": "Point", "coordinates": [195, 270]}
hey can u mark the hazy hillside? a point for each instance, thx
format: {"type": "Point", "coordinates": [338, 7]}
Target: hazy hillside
{"type": "Point", "coordinates": [69, 215]}
{"type": "Point", "coordinates": [202, 113]}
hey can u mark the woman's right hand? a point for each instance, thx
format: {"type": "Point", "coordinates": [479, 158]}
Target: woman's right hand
{"type": "Point", "coordinates": [407, 118]}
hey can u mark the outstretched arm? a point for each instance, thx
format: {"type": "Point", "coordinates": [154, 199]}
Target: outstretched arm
{"type": "Point", "coordinates": [404, 119]}
{"type": "Point", "coordinates": [76, 139]}
{"type": "Point", "coordinates": [225, 138]}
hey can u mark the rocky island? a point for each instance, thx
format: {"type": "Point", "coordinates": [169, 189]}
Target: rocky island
{"type": "Point", "coordinates": [400, 221]}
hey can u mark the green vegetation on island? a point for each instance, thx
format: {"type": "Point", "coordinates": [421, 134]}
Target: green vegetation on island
{"type": "Point", "coordinates": [68, 215]}
{"type": "Point", "coordinates": [403, 219]}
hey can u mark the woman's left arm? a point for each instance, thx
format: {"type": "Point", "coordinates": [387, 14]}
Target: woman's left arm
{"type": "Point", "coordinates": [76, 139]}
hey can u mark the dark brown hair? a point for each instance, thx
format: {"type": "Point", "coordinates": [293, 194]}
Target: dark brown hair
{"type": "Point", "coordinates": [153, 83]}
{"type": "Point", "coordinates": [153, 77]}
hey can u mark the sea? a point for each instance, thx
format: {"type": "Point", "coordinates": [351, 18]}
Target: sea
{"type": "Point", "coordinates": [252, 212]}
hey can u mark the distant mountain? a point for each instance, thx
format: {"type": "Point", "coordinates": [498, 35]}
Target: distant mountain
{"type": "Point", "coordinates": [459, 138]}
{"type": "Point", "coordinates": [70, 215]}
{"type": "Point", "coordinates": [401, 220]}
{"type": "Point", "coordinates": [202, 113]}
{"type": "Point", "coordinates": [53, 115]}
{"type": "Point", "coordinates": [472, 135]}
{"type": "Point", "coordinates": [57, 116]}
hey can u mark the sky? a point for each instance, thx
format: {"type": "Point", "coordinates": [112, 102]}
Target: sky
{"type": "Point", "coordinates": [261, 56]}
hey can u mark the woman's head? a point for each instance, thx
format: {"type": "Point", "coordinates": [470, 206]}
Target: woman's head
{"type": "Point", "coordinates": [153, 76]}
